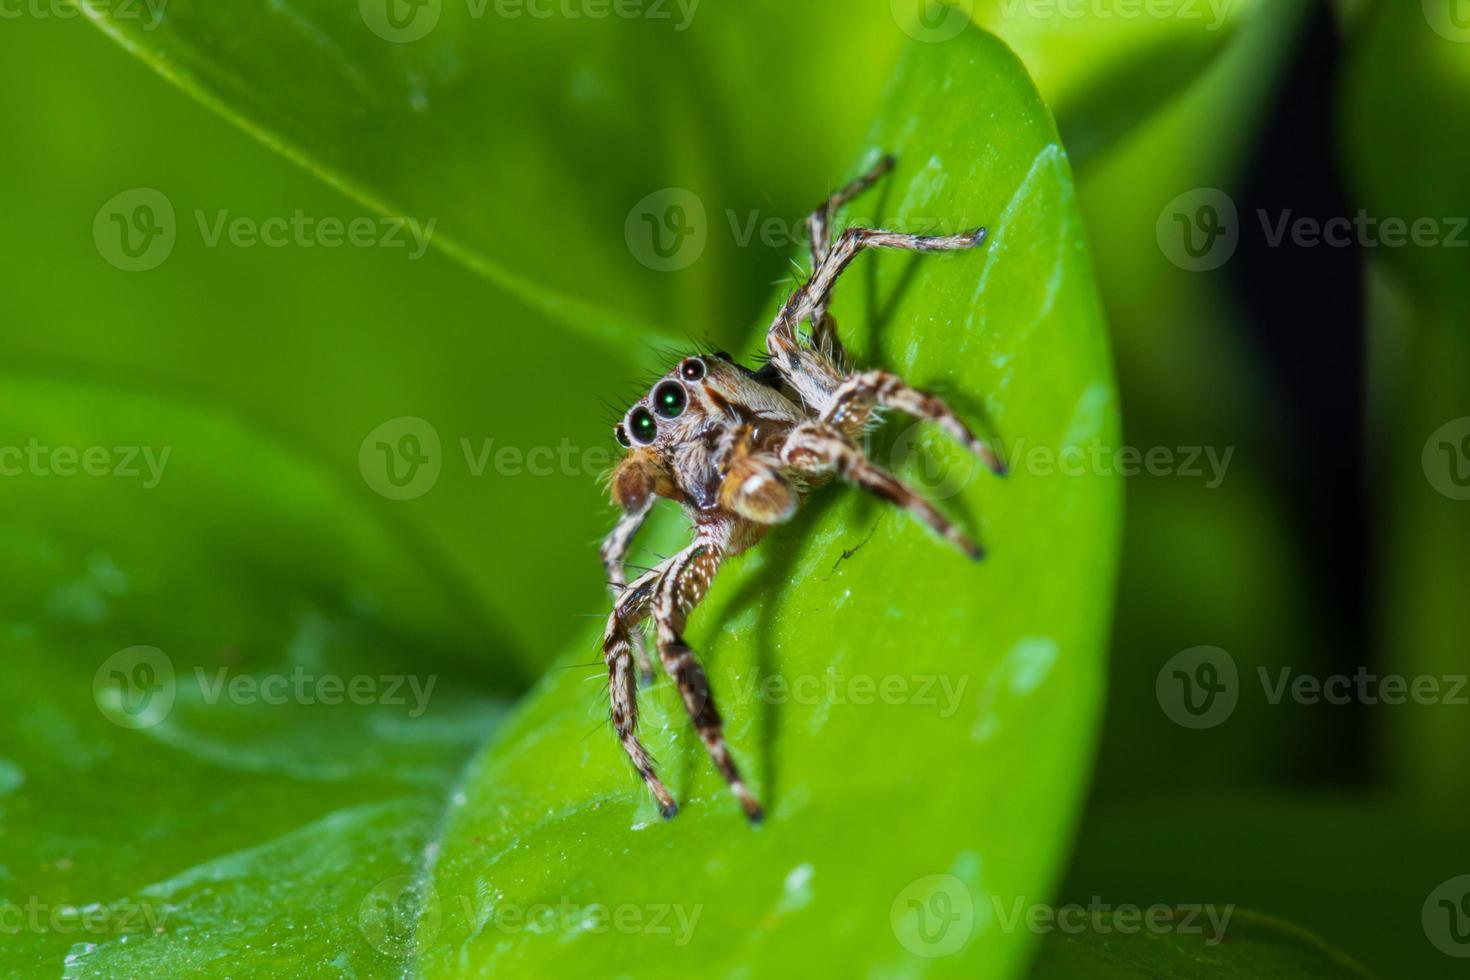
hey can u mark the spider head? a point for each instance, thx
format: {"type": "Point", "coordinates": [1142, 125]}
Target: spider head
{"type": "Point", "coordinates": [673, 430]}
{"type": "Point", "coordinates": [679, 406]}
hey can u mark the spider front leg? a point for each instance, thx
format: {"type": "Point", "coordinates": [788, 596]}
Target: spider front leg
{"type": "Point", "coordinates": [853, 402]}
{"type": "Point", "coordinates": [818, 449]}
{"type": "Point", "coordinates": [682, 588]}
{"type": "Point", "coordinates": [819, 224]}
{"type": "Point", "coordinates": [614, 554]}
{"type": "Point", "coordinates": [810, 301]}
{"type": "Point", "coordinates": [630, 610]}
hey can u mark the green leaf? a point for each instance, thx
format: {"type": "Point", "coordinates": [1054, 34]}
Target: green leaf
{"type": "Point", "coordinates": [531, 138]}
{"type": "Point", "coordinates": [232, 700]}
{"type": "Point", "coordinates": [920, 727]}
{"type": "Point", "coordinates": [1188, 948]}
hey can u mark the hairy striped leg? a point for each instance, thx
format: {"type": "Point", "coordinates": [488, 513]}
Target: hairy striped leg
{"type": "Point", "coordinates": [853, 402]}
{"type": "Point", "coordinates": [680, 590]}
{"type": "Point", "coordinates": [818, 449]}
{"type": "Point", "coordinates": [806, 371]}
{"type": "Point", "coordinates": [819, 229]}
{"type": "Point", "coordinates": [630, 610]}
{"type": "Point", "coordinates": [819, 224]}
{"type": "Point", "coordinates": [614, 553]}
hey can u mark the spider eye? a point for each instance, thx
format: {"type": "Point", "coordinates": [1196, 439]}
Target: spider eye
{"type": "Point", "coordinates": [669, 399]}
{"type": "Point", "coordinates": [622, 433]}
{"type": "Point", "coordinates": [692, 369]}
{"type": "Point", "coordinates": [642, 426]}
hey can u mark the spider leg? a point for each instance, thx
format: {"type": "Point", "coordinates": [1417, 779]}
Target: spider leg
{"type": "Point", "coordinates": [853, 402]}
{"type": "Point", "coordinates": [755, 489]}
{"type": "Point", "coordinates": [817, 293]}
{"type": "Point", "coordinates": [819, 225]}
{"type": "Point", "coordinates": [630, 610]}
{"type": "Point", "coordinates": [809, 302]}
{"type": "Point", "coordinates": [614, 553]}
{"type": "Point", "coordinates": [818, 449]}
{"type": "Point", "coordinates": [680, 590]}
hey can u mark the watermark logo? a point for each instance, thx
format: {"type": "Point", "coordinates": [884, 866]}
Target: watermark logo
{"type": "Point", "coordinates": [933, 916]}
{"type": "Point", "coordinates": [1450, 19]}
{"type": "Point", "coordinates": [1446, 917]}
{"type": "Point", "coordinates": [396, 913]}
{"type": "Point", "coordinates": [1199, 230]}
{"type": "Point", "coordinates": [135, 230]}
{"type": "Point", "coordinates": [401, 21]}
{"type": "Point", "coordinates": [1446, 459]}
{"type": "Point", "coordinates": [936, 474]}
{"type": "Point", "coordinates": [932, 21]}
{"type": "Point", "coordinates": [135, 688]}
{"type": "Point", "coordinates": [401, 459]}
{"type": "Point", "coordinates": [667, 231]}
{"type": "Point", "coordinates": [1198, 687]}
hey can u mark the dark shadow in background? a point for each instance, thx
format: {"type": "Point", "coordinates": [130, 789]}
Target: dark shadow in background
{"type": "Point", "coordinates": [1304, 308]}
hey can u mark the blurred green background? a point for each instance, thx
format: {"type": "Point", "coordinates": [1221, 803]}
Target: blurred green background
{"type": "Point", "coordinates": [1331, 544]}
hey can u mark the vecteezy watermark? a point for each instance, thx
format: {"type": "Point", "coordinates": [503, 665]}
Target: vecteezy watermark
{"type": "Point", "coordinates": [933, 916]}
{"type": "Point", "coordinates": [35, 459]}
{"type": "Point", "coordinates": [939, 475]}
{"type": "Point", "coordinates": [401, 458]}
{"type": "Point", "coordinates": [1200, 230]}
{"type": "Point", "coordinates": [137, 230]}
{"type": "Point", "coordinates": [1200, 688]}
{"type": "Point", "coordinates": [1450, 19]}
{"type": "Point", "coordinates": [1103, 918]}
{"type": "Point", "coordinates": [150, 12]}
{"type": "Point", "coordinates": [135, 688]}
{"type": "Point", "coordinates": [1446, 917]}
{"type": "Point", "coordinates": [403, 910]}
{"type": "Point", "coordinates": [397, 912]}
{"type": "Point", "coordinates": [406, 21]}
{"type": "Point", "coordinates": [305, 688]}
{"type": "Point", "coordinates": [939, 691]}
{"type": "Point", "coordinates": [1446, 459]}
{"type": "Point", "coordinates": [674, 920]}
{"type": "Point", "coordinates": [667, 230]}
{"type": "Point", "coordinates": [1097, 458]}
{"type": "Point", "coordinates": [932, 21]}
{"type": "Point", "coordinates": [114, 919]}
{"type": "Point", "coordinates": [1212, 14]}
{"type": "Point", "coordinates": [138, 688]}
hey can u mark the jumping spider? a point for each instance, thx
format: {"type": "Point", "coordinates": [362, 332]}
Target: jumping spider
{"type": "Point", "coordinates": [739, 449]}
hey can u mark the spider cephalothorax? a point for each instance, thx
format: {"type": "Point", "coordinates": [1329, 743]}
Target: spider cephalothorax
{"type": "Point", "coordinates": [738, 449]}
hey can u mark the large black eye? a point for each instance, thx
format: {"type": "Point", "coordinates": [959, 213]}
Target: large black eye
{"type": "Point", "coordinates": [669, 399]}
{"type": "Point", "coordinates": [692, 369]}
{"type": "Point", "coordinates": [642, 426]}
{"type": "Point", "coordinates": [622, 433]}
